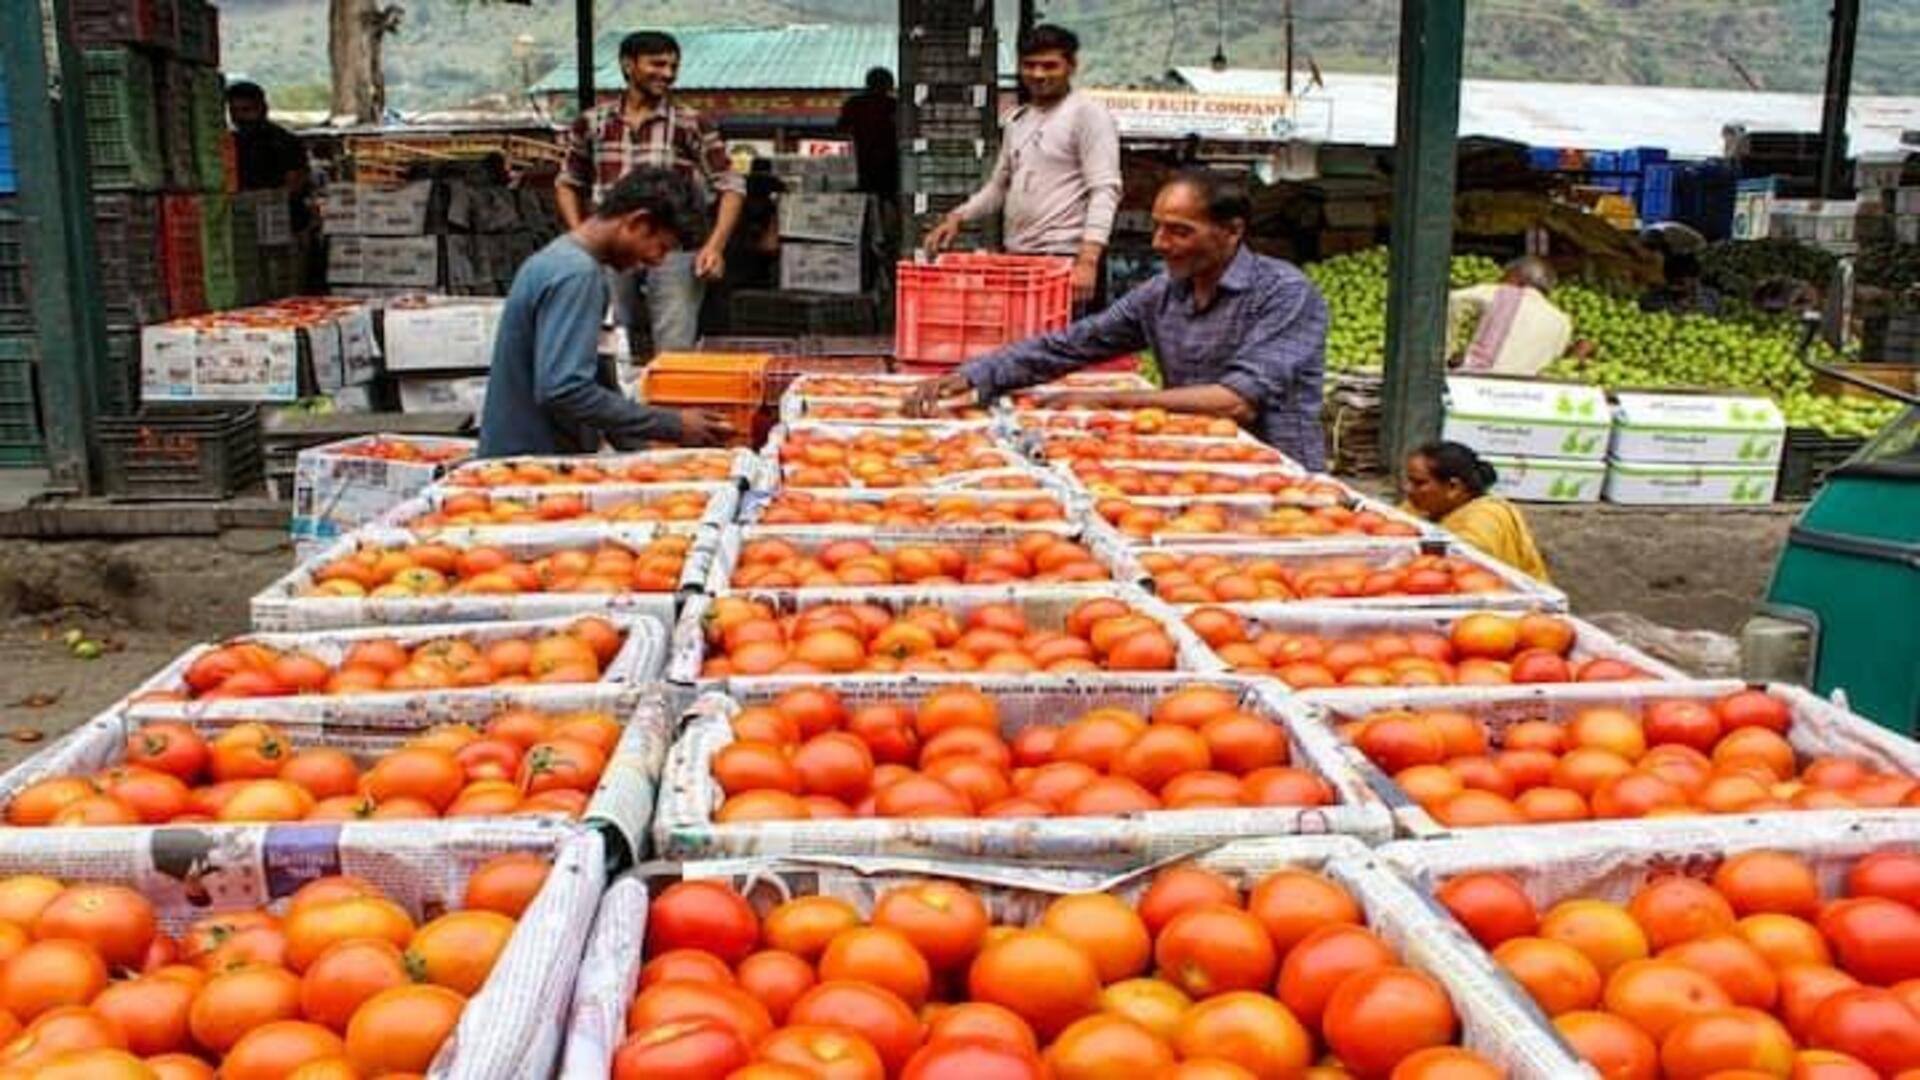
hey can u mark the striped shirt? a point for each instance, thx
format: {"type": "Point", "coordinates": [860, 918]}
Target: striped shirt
{"type": "Point", "coordinates": [602, 146]}
{"type": "Point", "coordinates": [1264, 337]}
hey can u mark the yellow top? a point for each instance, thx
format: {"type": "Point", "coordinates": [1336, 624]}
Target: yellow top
{"type": "Point", "coordinates": [1493, 525]}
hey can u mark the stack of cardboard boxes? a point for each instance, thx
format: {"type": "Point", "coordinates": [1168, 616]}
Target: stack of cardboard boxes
{"type": "Point", "coordinates": [1695, 450]}
{"type": "Point", "coordinates": [1547, 440]}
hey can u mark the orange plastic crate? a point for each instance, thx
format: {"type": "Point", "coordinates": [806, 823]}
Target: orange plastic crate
{"type": "Point", "coordinates": [966, 304]}
{"type": "Point", "coordinates": [706, 379]}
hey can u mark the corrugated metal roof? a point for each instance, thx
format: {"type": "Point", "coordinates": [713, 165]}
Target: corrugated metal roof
{"type": "Point", "coordinates": [1686, 121]}
{"type": "Point", "coordinates": [825, 57]}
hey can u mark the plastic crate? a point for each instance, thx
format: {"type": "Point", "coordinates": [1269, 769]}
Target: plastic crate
{"type": "Point", "coordinates": [1806, 460]}
{"type": "Point", "coordinates": [199, 32]}
{"type": "Point", "coordinates": [249, 269]}
{"type": "Point", "coordinates": [1637, 159]}
{"type": "Point", "coordinates": [964, 305]}
{"type": "Point", "coordinates": [771, 311]}
{"type": "Point", "coordinates": [9, 179]}
{"type": "Point", "coordinates": [153, 23]}
{"type": "Point", "coordinates": [706, 378]}
{"type": "Point", "coordinates": [948, 120]}
{"type": "Point", "coordinates": [183, 259]}
{"type": "Point", "coordinates": [1657, 191]}
{"type": "Point", "coordinates": [173, 97]}
{"type": "Point", "coordinates": [207, 113]}
{"type": "Point", "coordinates": [117, 388]}
{"type": "Point", "coordinates": [126, 235]}
{"type": "Point", "coordinates": [940, 173]}
{"type": "Point", "coordinates": [16, 302]}
{"type": "Point", "coordinates": [1544, 158]}
{"type": "Point", "coordinates": [123, 132]}
{"type": "Point", "coordinates": [969, 56]}
{"type": "Point", "coordinates": [946, 14]}
{"type": "Point", "coordinates": [186, 454]}
{"type": "Point", "coordinates": [21, 442]}
{"type": "Point", "coordinates": [216, 252]}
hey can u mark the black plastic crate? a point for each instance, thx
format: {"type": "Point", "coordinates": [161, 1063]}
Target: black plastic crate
{"type": "Point", "coordinates": [173, 98]}
{"type": "Point", "coordinates": [126, 235]}
{"type": "Point", "coordinates": [116, 391]}
{"type": "Point", "coordinates": [153, 23]}
{"type": "Point", "coordinates": [1807, 459]}
{"type": "Point", "coordinates": [977, 95]}
{"type": "Point", "coordinates": [946, 14]}
{"type": "Point", "coordinates": [123, 132]}
{"type": "Point", "coordinates": [969, 56]}
{"type": "Point", "coordinates": [775, 312]}
{"type": "Point", "coordinates": [199, 32]}
{"type": "Point", "coordinates": [934, 174]}
{"type": "Point", "coordinates": [196, 454]}
{"type": "Point", "coordinates": [22, 445]}
{"type": "Point", "coordinates": [16, 301]}
{"type": "Point", "coordinates": [947, 120]}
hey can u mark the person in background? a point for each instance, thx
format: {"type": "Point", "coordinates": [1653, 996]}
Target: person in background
{"type": "Point", "coordinates": [1057, 179]}
{"type": "Point", "coordinates": [1448, 484]}
{"type": "Point", "coordinates": [646, 128]}
{"type": "Point", "coordinates": [269, 156]}
{"type": "Point", "coordinates": [1238, 335]}
{"type": "Point", "coordinates": [1683, 293]}
{"type": "Point", "coordinates": [871, 119]}
{"type": "Point", "coordinates": [547, 392]}
{"type": "Point", "coordinates": [1519, 331]}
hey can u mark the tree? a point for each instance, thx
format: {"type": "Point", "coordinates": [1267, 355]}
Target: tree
{"type": "Point", "coordinates": [355, 32]}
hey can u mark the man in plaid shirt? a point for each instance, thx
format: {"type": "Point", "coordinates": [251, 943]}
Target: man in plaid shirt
{"type": "Point", "coordinates": [646, 128]}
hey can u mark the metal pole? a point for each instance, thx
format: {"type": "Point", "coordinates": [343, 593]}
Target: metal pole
{"type": "Point", "coordinates": [1833, 116]}
{"type": "Point", "coordinates": [1432, 36]}
{"type": "Point", "coordinates": [583, 51]}
{"type": "Point", "coordinates": [46, 88]}
{"type": "Point", "coordinates": [1289, 48]}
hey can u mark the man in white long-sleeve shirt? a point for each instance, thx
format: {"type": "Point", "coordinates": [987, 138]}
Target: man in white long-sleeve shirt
{"type": "Point", "coordinates": [1056, 181]}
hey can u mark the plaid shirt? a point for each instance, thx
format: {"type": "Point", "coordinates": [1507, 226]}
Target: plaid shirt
{"type": "Point", "coordinates": [1264, 338]}
{"type": "Point", "coordinates": [602, 147]}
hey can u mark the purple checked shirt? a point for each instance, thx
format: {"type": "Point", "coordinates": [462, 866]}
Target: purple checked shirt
{"type": "Point", "coordinates": [1264, 338]}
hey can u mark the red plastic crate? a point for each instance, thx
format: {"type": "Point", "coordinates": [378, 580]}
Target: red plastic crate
{"type": "Point", "coordinates": [183, 260]}
{"type": "Point", "coordinates": [966, 304]}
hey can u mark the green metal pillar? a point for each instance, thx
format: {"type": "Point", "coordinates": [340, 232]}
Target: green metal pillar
{"type": "Point", "coordinates": [1426, 128]}
{"type": "Point", "coordinates": [46, 84]}
{"type": "Point", "coordinates": [583, 53]}
{"type": "Point", "coordinates": [1833, 112]}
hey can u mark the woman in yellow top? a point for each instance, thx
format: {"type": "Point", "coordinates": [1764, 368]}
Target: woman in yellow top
{"type": "Point", "coordinates": [1447, 484]}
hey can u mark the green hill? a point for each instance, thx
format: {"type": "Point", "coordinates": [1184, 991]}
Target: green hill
{"type": "Point", "coordinates": [453, 51]}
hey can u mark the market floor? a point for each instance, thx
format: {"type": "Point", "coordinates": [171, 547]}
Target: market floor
{"type": "Point", "coordinates": [48, 690]}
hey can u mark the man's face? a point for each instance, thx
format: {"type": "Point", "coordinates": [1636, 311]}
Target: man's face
{"type": "Point", "coordinates": [246, 112]}
{"type": "Point", "coordinates": [642, 242]}
{"type": "Point", "coordinates": [1047, 75]}
{"type": "Point", "coordinates": [1185, 238]}
{"type": "Point", "coordinates": [652, 75]}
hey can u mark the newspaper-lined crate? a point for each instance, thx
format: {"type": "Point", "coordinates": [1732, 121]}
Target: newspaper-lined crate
{"type": "Point", "coordinates": [1590, 643]}
{"type": "Point", "coordinates": [647, 467]}
{"type": "Point", "coordinates": [784, 369]}
{"type": "Point", "coordinates": [1319, 510]}
{"type": "Point", "coordinates": [970, 448]}
{"type": "Point", "coordinates": [685, 828]}
{"type": "Point", "coordinates": [1042, 607]}
{"type": "Point", "coordinates": [1611, 861]}
{"type": "Point", "coordinates": [621, 803]}
{"type": "Point", "coordinates": [1377, 574]}
{"type": "Point", "coordinates": [866, 399]}
{"type": "Point", "coordinates": [1193, 479]}
{"type": "Point", "coordinates": [614, 504]}
{"type": "Point", "coordinates": [940, 510]}
{"type": "Point", "coordinates": [342, 485]}
{"type": "Point", "coordinates": [1819, 728]}
{"type": "Point", "coordinates": [1494, 1020]}
{"type": "Point", "coordinates": [290, 603]}
{"type": "Point", "coordinates": [166, 694]}
{"type": "Point", "coordinates": [1111, 558]}
{"type": "Point", "coordinates": [508, 1030]}
{"type": "Point", "coordinates": [1065, 445]}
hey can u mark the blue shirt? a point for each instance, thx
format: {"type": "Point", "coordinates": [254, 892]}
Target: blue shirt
{"type": "Point", "coordinates": [1264, 337]}
{"type": "Point", "coordinates": [546, 391]}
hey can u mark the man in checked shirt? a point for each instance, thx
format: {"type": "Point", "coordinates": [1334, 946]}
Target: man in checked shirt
{"type": "Point", "coordinates": [1237, 334]}
{"type": "Point", "coordinates": [647, 128]}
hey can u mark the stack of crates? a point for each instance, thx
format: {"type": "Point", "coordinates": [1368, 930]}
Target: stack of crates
{"type": "Point", "coordinates": [734, 384]}
{"type": "Point", "coordinates": [949, 125]}
{"type": "Point", "coordinates": [9, 179]}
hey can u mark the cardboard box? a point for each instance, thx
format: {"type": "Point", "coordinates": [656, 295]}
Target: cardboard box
{"type": "Point", "coordinates": [829, 219]}
{"type": "Point", "coordinates": [393, 212]}
{"type": "Point", "coordinates": [464, 393]}
{"type": "Point", "coordinates": [1698, 429]}
{"type": "Point", "coordinates": [346, 261]}
{"type": "Point", "coordinates": [440, 333]}
{"type": "Point", "coordinates": [1527, 418]}
{"type": "Point", "coordinates": [195, 362]}
{"type": "Point", "coordinates": [827, 268]}
{"type": "Point", "coordinates": [1554, 480]}
{"type": "Point", "coordinates": [1906, 201]}
{"type": "Point", "coordinates": [400, 260]}
{"type": "Point", "coordinates": [1640, 483]}
{"type": "Point", "coordinates": [335, 493]}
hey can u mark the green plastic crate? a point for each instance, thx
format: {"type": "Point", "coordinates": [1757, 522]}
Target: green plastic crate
{"type": "Point", "coordinates": [117, 390]}
{"type": "Point", "coordinates": [123, 127]}
{"type": "Point", "coordinates": [216, 247]}
{"type": "Point", "coordinates": [22, 445]}
{"type": "Point", "coordinates": [207, 111]}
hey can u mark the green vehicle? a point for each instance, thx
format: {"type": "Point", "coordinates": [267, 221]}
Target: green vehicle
{"type": "Point", "coordinates": [1843, 611]}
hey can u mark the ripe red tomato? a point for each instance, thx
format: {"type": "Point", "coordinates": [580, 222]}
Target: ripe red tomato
{"type": "Point", "coordinates": [705, 915]}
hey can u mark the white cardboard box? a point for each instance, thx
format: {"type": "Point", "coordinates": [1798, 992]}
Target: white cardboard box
{"type": "Point", "coordinates": [1698, 429]}
{"type": "Point", "coordinates": [1527, 418]}
{"type": "Point", "coordinates": [827, 268]}
{"type": "Point", "coordinates": [400, 260]}
{"type": "Point", "coordinates": [462, 393]}
{"type": "Point", "coordinates": [442, 333]}
{"type": "Point", "coordinates": [1540, 479]}
{"type": "Point", "coordinates": [362, 210]}
{"type": "Point", "coordinates": [827, 218]}
{"type": "Point", "coordinates": [1641, 483]}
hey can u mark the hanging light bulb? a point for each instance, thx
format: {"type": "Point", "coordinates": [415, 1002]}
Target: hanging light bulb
{"type": "Point", "coordinates": [1219, 61]}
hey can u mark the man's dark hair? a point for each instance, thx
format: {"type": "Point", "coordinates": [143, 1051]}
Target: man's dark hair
{"type": "Point", "coordinates": [1047, 38]}
{"type": "Point", "coordinates": [879, 80]}
{"type": "Point", "coordinates": [1226, 196]}
{"type": "Point", "coordinates": [246, 91]}
{"type": "Point", "coordinates": [668, 198]}
{"type": "Point", "coordinates": [648, 43]}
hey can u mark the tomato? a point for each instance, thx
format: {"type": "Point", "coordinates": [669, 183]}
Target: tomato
{"type": "Point", "coordinates": [1106, 929]}
{"type": "Point", "coordinates": [1491, 906]}
{"type": "Point", "coordinates": [1739, 1038]}
{"type": "Point", "coordinates": [561, 764]}
{"type": "Point", "coordinates": [458, 949]}
{"type": "Point", "coordinates": [1042, 977]}
{"type": "Point", "coordinates": [170, 747]}
{"type": "Point", "coordinates": [972, 1059]}
{"type": "Point", "coordinates": [345, 976]}
{"type": "Point", "coordinates": [805, 925]}
{"type": "Point", "coordinates": [777, 980]}
{"type": "Point", "coordinates": [432, 776]}
{"type": "Point", "coordinates": [1293, 903]}
{"type": "Point", "coordinates": [1617, 1049]}
{"type": "Point", "coordinates": [1874, 939]}
{"type": "Point", "coordinates": [232, 1004]}
{"type": "Point", "coordinates": [977, 1020]}
{"type": "Point", "coordinates": [702, 915]}
{"type": "Point", "coordinates": [1246, 1029]}
{"type": "Point", "coordinates": [868, 1011]}
{"type": "Point", "coordinates": [272, 1051]}
{"type": "Point", "coordinates": [1098, 1047]}
{"type": "Point", "coordinates": [113, 919]}
{"type": "Point", "coordinates": [1376, 1018]}
{"type": "Point", "coordinates": [249, 751]}
{"type": "Point", "coordinates": [311, 931]}
{"type": "Point", "coordinates": [1872, 1025]}
{"type": "Point", "coordinates": [151, 1013]}
{"type": "Point", "coordinates": [1322, 961]}
{"type": "Point", "coordinates": [880, 957]}
{"type": "Point", "coordinates": [683, 1049]}
{"type": "Point", "coordinates": [1183, 888]}
{"type": "Point", "coordinates": [822, 1052]}
{"type": "Point", "coordinates": [730, 1005]}
{"type": "Point", "coordinates": [1215, 950]}
{"type": "Point", "coordinates": [50, 974]}
{"type": "Point", "coordinates": [400, 1030]}
{"type": "Point", "coordinates": [506, 884]}
{"type": "Point", "coordinates": [1894, 875]}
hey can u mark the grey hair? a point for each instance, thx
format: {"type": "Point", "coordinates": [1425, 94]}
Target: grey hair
{"type": "Point", "coordinates": [1533, 271]}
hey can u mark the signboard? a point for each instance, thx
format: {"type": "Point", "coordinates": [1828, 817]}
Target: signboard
{"type": "Point", "coordinates": [825, 148]}
{"type": "Point", "coordinates": [1141, 114]}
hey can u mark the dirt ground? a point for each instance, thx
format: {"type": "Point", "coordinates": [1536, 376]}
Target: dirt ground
{"type": "Point", "coordinates": [146, 601]}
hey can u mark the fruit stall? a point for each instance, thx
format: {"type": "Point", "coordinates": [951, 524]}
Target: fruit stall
{"type": "Point", "coordinates": [1014, 743]}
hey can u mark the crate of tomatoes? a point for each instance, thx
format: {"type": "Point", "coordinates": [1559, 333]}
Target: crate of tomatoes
{"type": "Point", "coordinates": [646, 467]}
{"type": "Point", "coordinates": [1255, 959]}
{"type": "Point", "coordinates": [440, 511]}
{"type": "Point", "coordinates": [780, 635]}
{"type": "Point", "coordinates": [1451, 759]}
{"type": "Point", "coordinates": [424, 664]}
{"type": "Point", "coordinates": [1114, 771]}
{"type": "Point", "coordinates": [1310, 509]}
{"type": "Point", "coordinates": [357, 952]}
{"type": "Point", "coordinates": [355, 481]}
{"type": "Point", "coordinates": [759, 557]}
{"type": "Point", "coordinates": [379, 576]}
{"type": "Point", "coordinates": [1344, 574]}
{"type": "Point", "coordinates": [1781, 946]}
{"type": "Point", "coordinates": [590, 754]}
{"type": "Point", "coordinates": [918, 509]}
{"type": "Point", "coordinates": [827, 455]}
